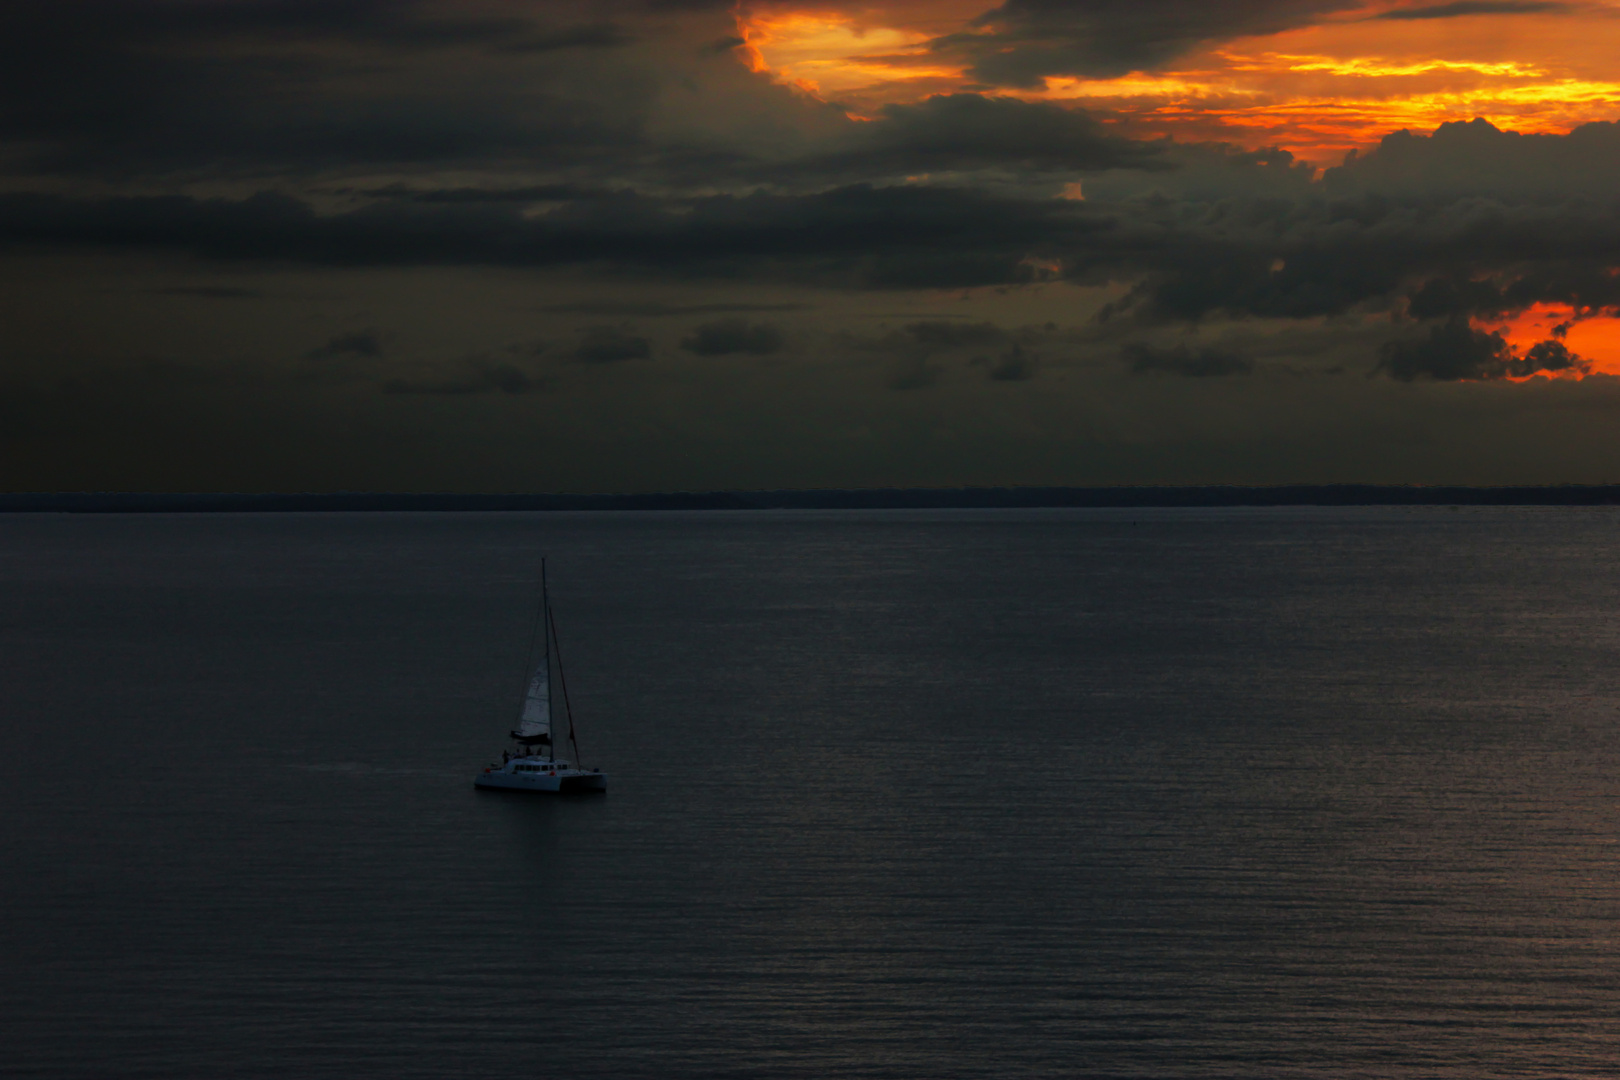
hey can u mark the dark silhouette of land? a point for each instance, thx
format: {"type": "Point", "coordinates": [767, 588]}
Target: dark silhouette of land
{"type": "Point", "coordinates": [827, 499]}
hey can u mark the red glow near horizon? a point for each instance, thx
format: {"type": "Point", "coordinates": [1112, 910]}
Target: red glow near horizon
{"type": "Point", "coordinates": [1594, 337]}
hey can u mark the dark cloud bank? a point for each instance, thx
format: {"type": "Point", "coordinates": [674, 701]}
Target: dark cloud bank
{"type": "Point", "coordinates": [626, 147]}
{"type": "Point", "coordinates": [1391, 230]}
{"type": "Point", "coordinates": [1021, 41]}
{"type": "Point", "coordinates": [1469, 220]}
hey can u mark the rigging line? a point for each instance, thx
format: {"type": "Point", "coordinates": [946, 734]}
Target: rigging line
{"type": "Point", "coordinates": [562, 678]}
{"type": "Point", "coordinates": [545, 638]}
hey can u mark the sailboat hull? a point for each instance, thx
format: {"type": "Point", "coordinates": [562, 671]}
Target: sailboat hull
{"type": "Point", "coordinates": [563, 782]}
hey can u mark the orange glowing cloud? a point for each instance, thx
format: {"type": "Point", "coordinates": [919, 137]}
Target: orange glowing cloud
{"type": "Point", "coordinates": [1594, 336]}
{"type": "Point", "coordinates": [838, 56]}
{"type": "Point", "coordinates": [1318, 90]}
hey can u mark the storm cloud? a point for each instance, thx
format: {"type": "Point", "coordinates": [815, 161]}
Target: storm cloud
{"type": "Point", "coordinates": [316, 212]}
{"type": "Point", "coordinates": [1464, 8]}
{"type": "Point", "coordinates": [726, 336]}
{"type": "Point", "coordinates": [1456, 350]}
{"type": "Point", "coordinates": [963, 132]}
{"type": "Point", "coordinates": [109, 85]}
{"type": "Point", "coordinates": [356, 343]}
{"type": "Point", "coordinates": [1387, 229]}
{"type": "Point", "coordinates": [1203, 363]}
{"type": "Point", "coordinates": [1023, 41]}
{"type": "Point", "coordinates": [605, 345]}
{"type": "Point", "coordinates": [883, 235]}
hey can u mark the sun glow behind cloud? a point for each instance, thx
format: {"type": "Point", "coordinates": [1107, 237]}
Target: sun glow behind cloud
{"type": "Point", "coordinates": [831, 54]}
{"type": "Point", "coordinates": [1319, 91]}
{"type": "Point", "coordinates": [1373, 67]}
{"type": "Point", "coordinates": [1594, 336]}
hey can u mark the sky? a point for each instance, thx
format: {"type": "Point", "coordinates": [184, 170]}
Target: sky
{"type": "Point", "coordinates": [643, 245]}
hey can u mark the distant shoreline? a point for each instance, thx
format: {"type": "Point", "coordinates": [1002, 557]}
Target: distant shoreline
{"type": "Point", "coordinates": [828, 499]}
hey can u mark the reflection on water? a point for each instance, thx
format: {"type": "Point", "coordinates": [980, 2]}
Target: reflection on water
{"type": "Point", "coordinates": [1091, 793]}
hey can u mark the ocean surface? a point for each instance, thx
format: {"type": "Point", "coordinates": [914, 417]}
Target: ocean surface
{"type": "Point", "coordinates": [1097, 793]}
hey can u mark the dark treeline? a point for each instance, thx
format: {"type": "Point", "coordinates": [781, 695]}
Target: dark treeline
{"type": "Point", "coordinates": [868, 499]}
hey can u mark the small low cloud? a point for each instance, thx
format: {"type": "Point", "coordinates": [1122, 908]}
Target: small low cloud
{"type": "Point", "coordinates": [924, 339]}
{"type": "Point", "coordinates": [727, 336]}
{"type": "Point", "coordinates": [1553, 357]}
{"type": "Point", "coordinates": [1476, 7]}
{"type": "Point", "coordinates": [478, 374]}
{"type": "Point", "coordinates": [209, 292]}
{"type": "Point", "coordinates": [628, 309]}
{"type": "Point", "coordinates": [1204, 363]}
{"type": "Point", "coordinates": [915, 374]}
{"type": "Point", "coordinates": [1456, 350]}
{"type": "Point", "coordinates": [973, 130]}
{"type": "Point", "coordinates": [949, 335]}
{"type": "Point", "coordinates": [530, 193]}
{"type": "Point", "coordinates": [363, 343]}
{"type": "Point", "coordinates": [1017, 364]}
{"type": "Point", "coordinates": [605, 345]}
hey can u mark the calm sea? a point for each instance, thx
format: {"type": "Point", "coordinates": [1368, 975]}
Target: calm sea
{"type": "Point", "coordinates": [1174, 793]}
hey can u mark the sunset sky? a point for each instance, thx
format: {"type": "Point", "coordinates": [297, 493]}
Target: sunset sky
{"type": "Point", "coordinates": [1337, 77]}
{"type": "Point", "coordinates": [504, 245]}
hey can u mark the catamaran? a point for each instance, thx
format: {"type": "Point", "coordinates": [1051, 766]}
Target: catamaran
{"type": "Point", "coordinates": [534, 766]}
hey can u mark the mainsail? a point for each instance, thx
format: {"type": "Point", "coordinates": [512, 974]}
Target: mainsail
{"type": "Point", "coordinates": [534, 722]}
{"type": "Point", "coordinates": [534, 725]}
